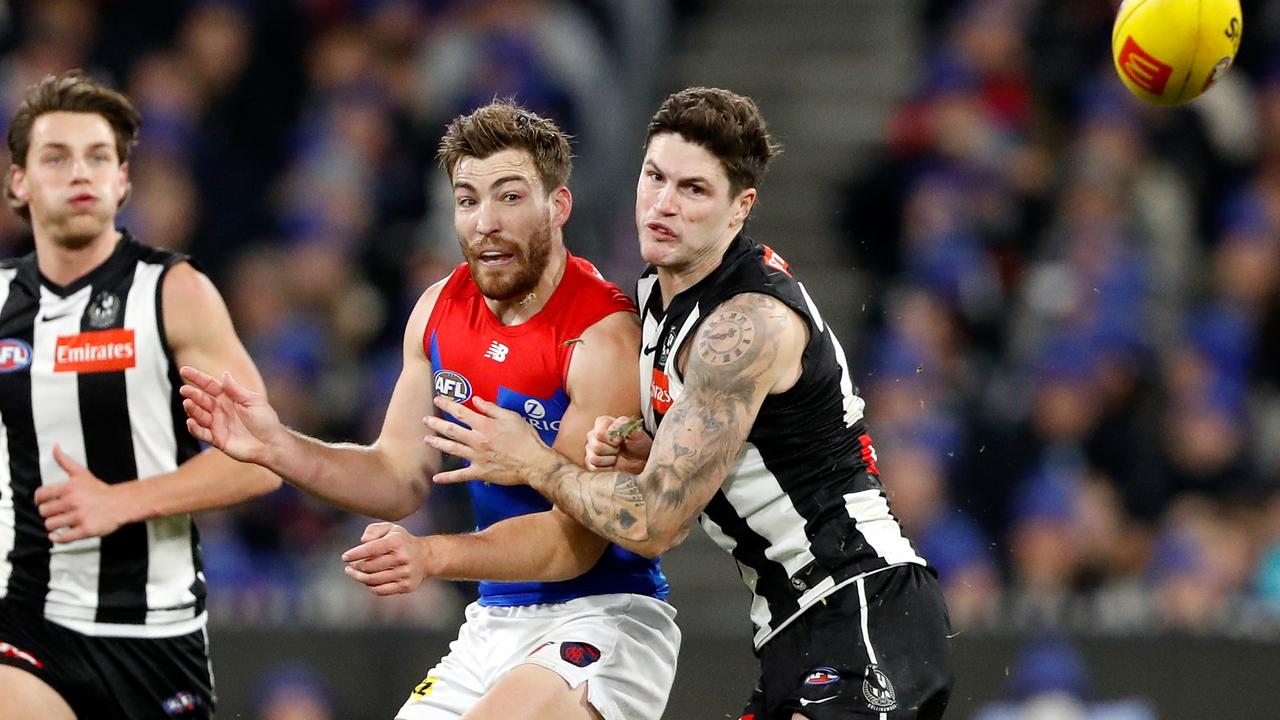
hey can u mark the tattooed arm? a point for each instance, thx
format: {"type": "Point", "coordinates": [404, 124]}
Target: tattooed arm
{"type": "Point", "coordinates": [749, 347]}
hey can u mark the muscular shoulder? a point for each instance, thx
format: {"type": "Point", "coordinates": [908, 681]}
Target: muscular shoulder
{"type": "Point", "coordinates": [189, 302]}
{"type": "Point", "coordinates": [616, 335]}
{"type": "Point", "coordinates": [749, 335]}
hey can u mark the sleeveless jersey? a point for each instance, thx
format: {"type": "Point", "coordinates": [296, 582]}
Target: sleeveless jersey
{"type": "Point", "coordinates": [88, 367]}
{"type": "Point", "coordinates": [802, 510]}
{"type": "Point", "coordinates": [524, 368]}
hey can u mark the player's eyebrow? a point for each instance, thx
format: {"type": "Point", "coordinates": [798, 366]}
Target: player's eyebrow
{"type": "Point", "coordinates": [465, 185]}
{"type": "Point", "coordinates": [690, 180]}
{"type": "Point", "coordinates": [59, 145]}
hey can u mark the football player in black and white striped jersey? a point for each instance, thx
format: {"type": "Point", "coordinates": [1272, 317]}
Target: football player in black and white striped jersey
{"type": "Point", "coordinates": [102, 588]}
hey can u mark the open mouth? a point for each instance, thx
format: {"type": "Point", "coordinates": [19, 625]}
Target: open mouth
{"type": "Point", "coordinates": [493, 258]}
{"type": "Point", "coordinates": [660, 231]}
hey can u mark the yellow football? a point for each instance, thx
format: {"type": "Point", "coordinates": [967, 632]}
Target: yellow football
{"type": "Point", "coordinates": [1168, 52]}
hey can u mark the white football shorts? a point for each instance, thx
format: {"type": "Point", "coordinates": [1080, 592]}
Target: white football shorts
{"type": "Point", "coordinates": [623, 646]}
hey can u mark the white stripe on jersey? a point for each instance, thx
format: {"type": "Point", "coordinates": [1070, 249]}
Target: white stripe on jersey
{"type": "Point", "coordinates": [55, 409]}
{"type": "Point", "coordinates": [758, 498]}
{"type": "Point", "coordinates": [649, 355]}
{"type": "Point", "coordinates": [853, 405]}
{"type": "Point", "coordinates": [864, 616]}
{"type": "Point", "coordinates": [760, 615]}
{"type": "Point", "coordinates": [7, 516]}
{"type": "Point", "coordinates": [159, 624]}
{"type": "Point", "coordinates": [170, 568]}
{"type": "Point", "coordinates": [644, 288]}
{"type": "Point", "coordinates": [870, 512]}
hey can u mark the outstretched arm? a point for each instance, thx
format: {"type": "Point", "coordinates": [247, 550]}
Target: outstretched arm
{"type": "Point", "coordinates": [748, 347]}
{"type": "Point", "coordinates": [545, 546]}
{"type": "Point", "coordinates": [199, 330]}
{"type": "Point", "coordinates": [389, 479]}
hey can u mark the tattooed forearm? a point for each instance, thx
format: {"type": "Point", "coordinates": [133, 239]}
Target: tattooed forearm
{"type": "Point", "coordinates": [732, 364]}
{"type": "Point", "coordinates": [626, 491]}
{"type": "Point", "coordinates": [610, 504]}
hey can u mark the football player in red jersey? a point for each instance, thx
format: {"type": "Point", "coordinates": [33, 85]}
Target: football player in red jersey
{"type": "Point", "coordinates": [568, 625]}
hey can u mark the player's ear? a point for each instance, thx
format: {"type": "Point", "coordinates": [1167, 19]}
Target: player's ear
{"type": "Point", "coordinates": [17, 181]}
{"type": "Point", "coordinates": [743, 204]}
{"type": "Point", "coordinates": [561, 206]}
{"type": "Point", "coordinates": [125, 183]}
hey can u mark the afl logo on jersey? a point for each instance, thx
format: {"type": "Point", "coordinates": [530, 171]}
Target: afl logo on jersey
{"type": "Point", "coordinates": [15, 355]}
{"type": "Point", "coordinates": [452, 385]}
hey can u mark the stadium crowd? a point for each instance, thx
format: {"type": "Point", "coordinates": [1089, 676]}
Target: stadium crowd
{"type": "Point", "coordinates": [1071, 358]}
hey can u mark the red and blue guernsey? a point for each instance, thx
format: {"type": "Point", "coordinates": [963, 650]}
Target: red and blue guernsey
{"type": "Point", "coordinates": [524, 368]}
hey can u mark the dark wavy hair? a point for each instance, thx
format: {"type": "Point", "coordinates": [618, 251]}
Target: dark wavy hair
{"type": "Point", "coordinates": [727, 124]}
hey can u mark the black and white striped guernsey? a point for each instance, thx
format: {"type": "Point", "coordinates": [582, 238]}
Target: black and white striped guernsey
{"type": "Point", "coordinates": [802, 511]}
{"type": "Point", "coordinates": [88, 366]}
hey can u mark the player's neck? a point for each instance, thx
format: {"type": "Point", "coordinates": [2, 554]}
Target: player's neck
{"type": "Point", "coordinates": [64, 265]}
{"type": "Point", "coordinates": [519, 310]}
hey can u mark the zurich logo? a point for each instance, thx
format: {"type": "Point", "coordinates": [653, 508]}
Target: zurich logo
{"type": "Point", "coordinates": [452, 385]}
{"type": "Point", "coordinates": [15, 355]}
{"type": "Point", "coordinates": [534, 409]}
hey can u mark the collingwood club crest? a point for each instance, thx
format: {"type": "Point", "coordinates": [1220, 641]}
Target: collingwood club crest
{"type": "Point", "coordinates": [877, 689]}
{"type": "Point", "coordinates": [102, 313]}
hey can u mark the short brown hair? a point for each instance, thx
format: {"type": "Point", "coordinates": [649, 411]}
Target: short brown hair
{"type": "Point", "coordinates": [503, 125]}
{"type": "Point", "coordinates": [72, 91]}
{"type": "Point", "coordinates": [727, 124]}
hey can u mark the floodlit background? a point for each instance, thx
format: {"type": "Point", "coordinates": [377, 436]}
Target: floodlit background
{"type": "Point", "coordinates": [1062, 307]}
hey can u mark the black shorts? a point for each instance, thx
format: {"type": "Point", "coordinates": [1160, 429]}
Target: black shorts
{"type": "Point", "coordinates": [876, 648]}
{"type": "Point", "coordinates": [107, 677]}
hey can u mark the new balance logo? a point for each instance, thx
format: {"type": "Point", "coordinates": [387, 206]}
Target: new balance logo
{"type": "Point", "coordinates": [497, 352]}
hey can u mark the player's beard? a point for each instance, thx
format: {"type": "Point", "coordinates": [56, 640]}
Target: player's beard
{"type": "Point", "coordinates": [522, 276]}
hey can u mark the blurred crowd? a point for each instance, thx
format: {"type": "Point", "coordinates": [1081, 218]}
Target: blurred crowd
{"type": "Point", "coordinates": [289, 147]}
{"type": "Point", "coordinates": [1072, 356]}
{"type": "Point", "coordinates": [1073, 371]}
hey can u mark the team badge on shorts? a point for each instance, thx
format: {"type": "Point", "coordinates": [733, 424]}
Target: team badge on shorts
{"type": "Point", "coordinates": [877, 689]}
{"type": "Point", "coordinates": [579, 654]}
{"type": "Point", "coordinates": [822, 676]}
{"type": "Point", "coordinates": [181, 704]}
{"type": "Point", "coordinates": [20, 654]}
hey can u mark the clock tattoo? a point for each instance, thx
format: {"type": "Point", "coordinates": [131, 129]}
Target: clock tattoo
{"type": "Point", "coordinates": [728, 338]}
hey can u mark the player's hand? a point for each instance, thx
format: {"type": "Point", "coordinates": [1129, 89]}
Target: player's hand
{"type": "Point", "coordinates": [389, 560]}
{"type": "Point", "coordinates": [501, 447]}
{"type": "Point", "coordinates": [609, 449]}
{"type": "Point", "coordinates": [228, 416]}
{"type": "Point", "coordinates": [81, 507]}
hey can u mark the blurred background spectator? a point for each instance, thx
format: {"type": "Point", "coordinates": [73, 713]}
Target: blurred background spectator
{"type": "Point", "coordinates": [1050, 680]}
